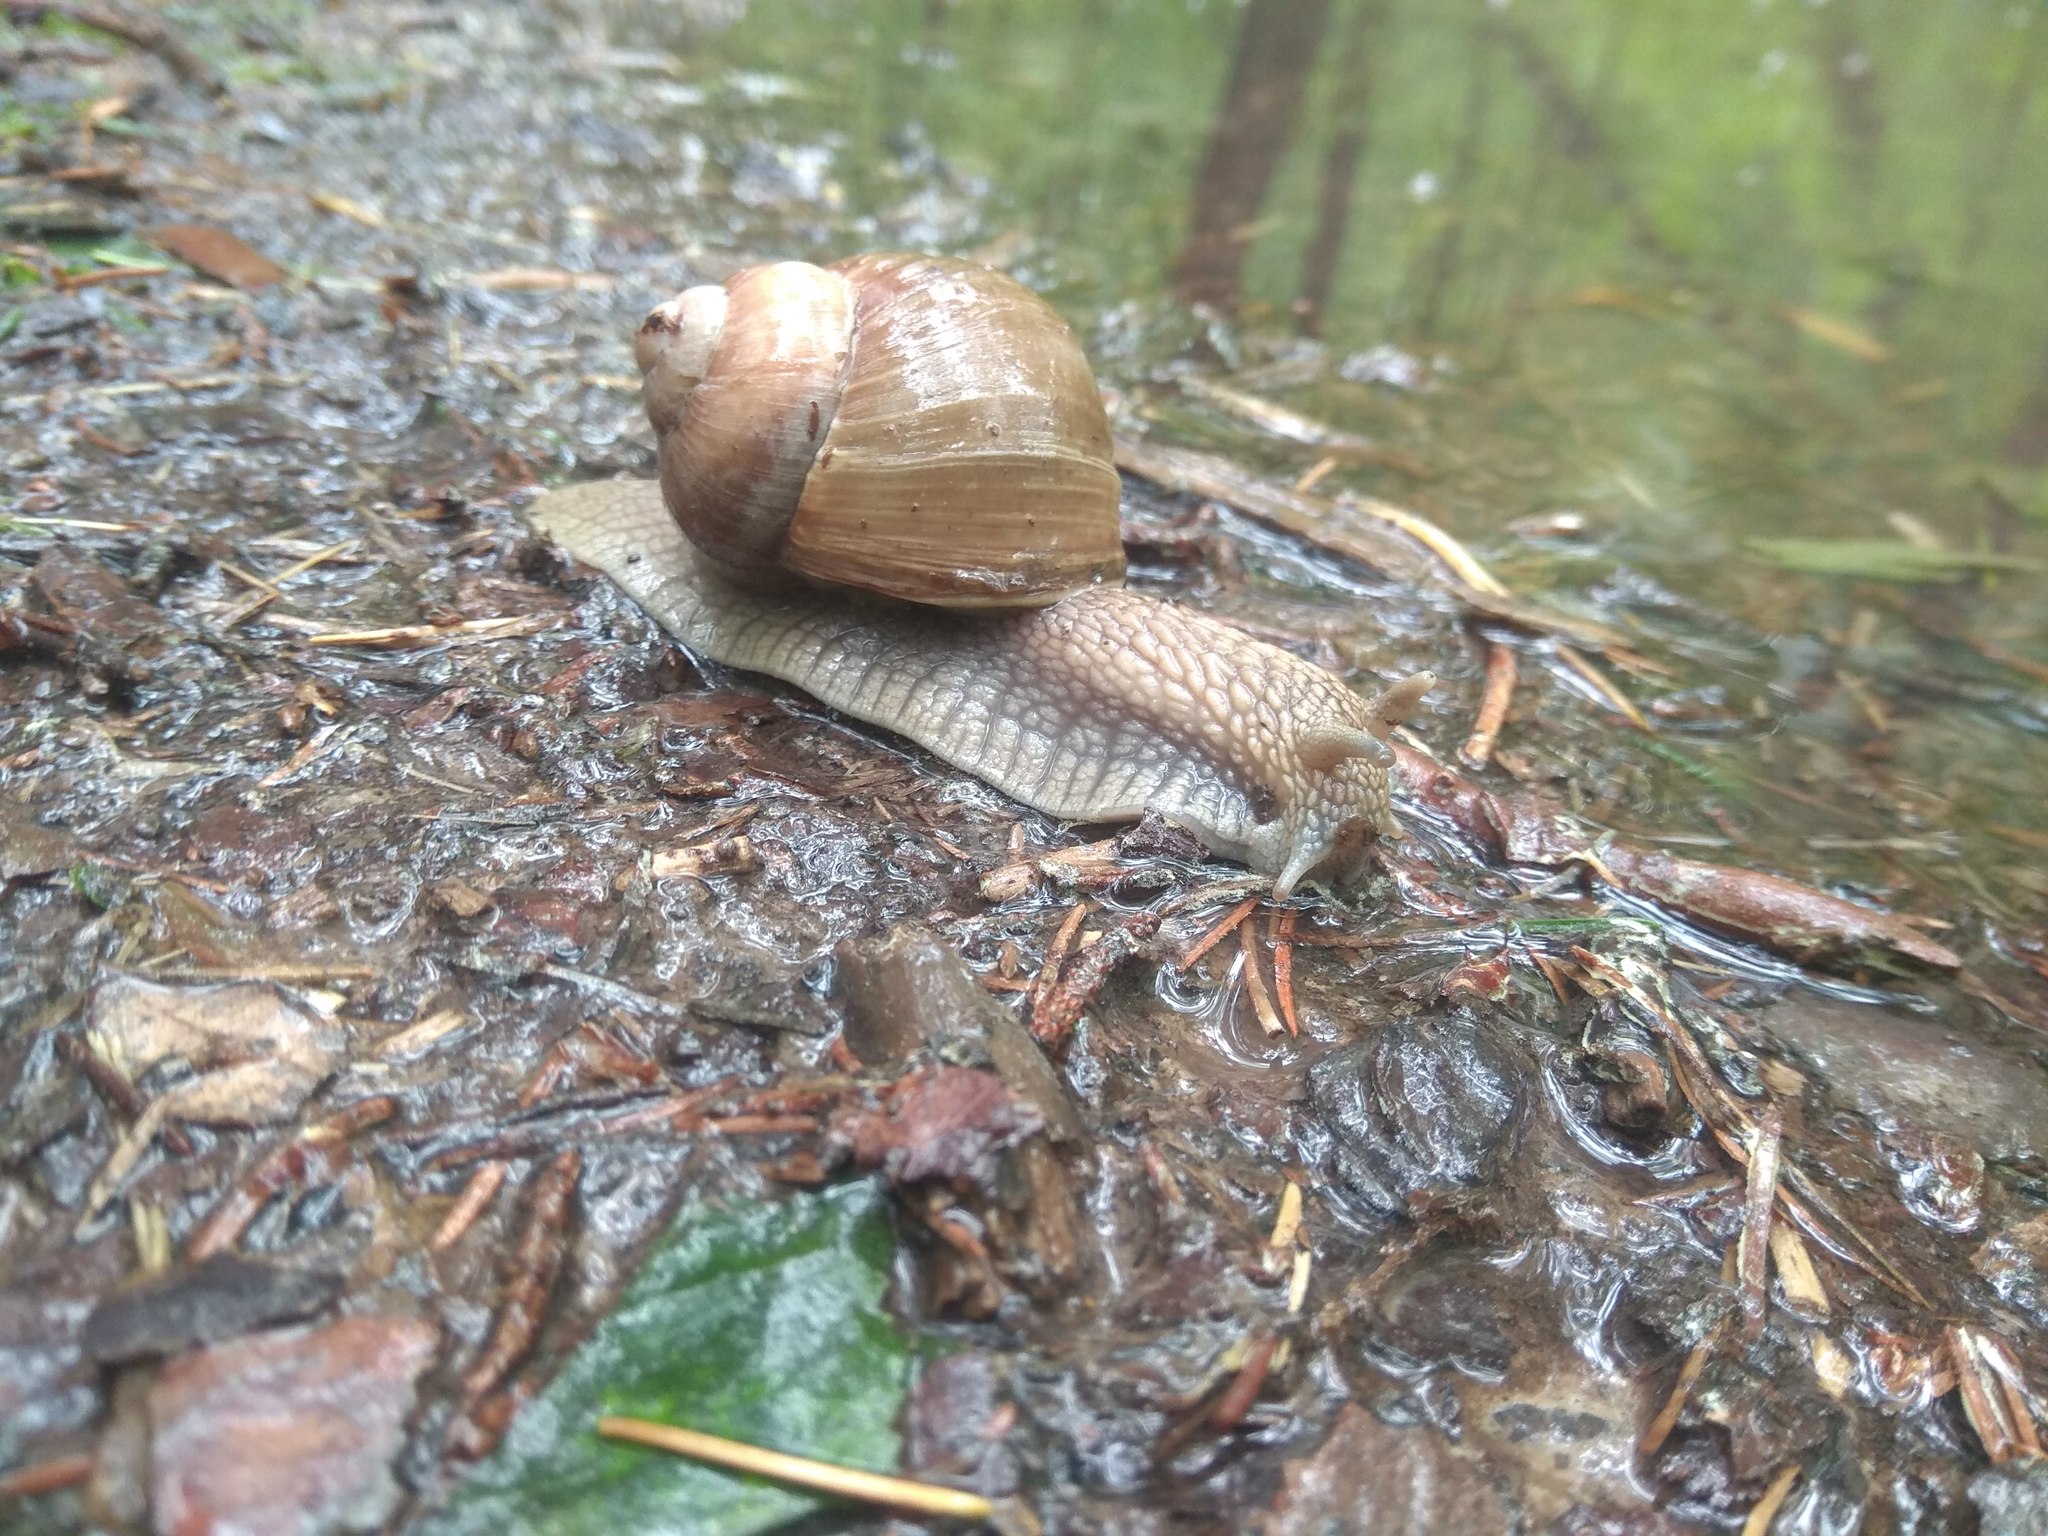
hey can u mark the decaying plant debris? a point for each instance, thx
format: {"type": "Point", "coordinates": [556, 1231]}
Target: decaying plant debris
{"type": "Point", "coordinates": [401, 930]}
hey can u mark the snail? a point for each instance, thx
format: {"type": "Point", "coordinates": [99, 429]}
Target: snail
{"type": "Point", "coordinates": [889, 482]}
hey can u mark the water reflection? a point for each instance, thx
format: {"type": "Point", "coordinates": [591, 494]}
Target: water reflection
{"type": "Point", "coordinates": [1780, 204]}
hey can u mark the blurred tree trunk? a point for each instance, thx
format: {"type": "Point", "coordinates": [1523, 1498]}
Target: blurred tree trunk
{"type": "Point", "coordinates": [1255, 123]}
{"type": "Point", "coordinates": [1352, 120]}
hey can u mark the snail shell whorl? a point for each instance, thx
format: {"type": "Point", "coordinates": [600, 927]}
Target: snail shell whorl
{"type": "Point", "coordinates": [912, 426]}
{"type": "Point", "coordinates": [737, 444]}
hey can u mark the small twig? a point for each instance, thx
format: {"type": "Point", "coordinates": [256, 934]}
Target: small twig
{"type": "Point", "coordinates": [1660, 1428]}
{"type": "Point", "coordinates": [323, 741]}
{"type": "Point", "coordinates": [845, 1482]}
{"type": "Point", "coordinates": [1255, 983]}
{"type": "Point", "coordinates": [1616, 700]}
{"type": "Point", "coordinates": [758, 1125]}
{"type": "Point", "coordinates": [1244, 1388]}
{"type": "Point", "coordinates": [397, 635]}
{"type": "Point", "coordinates": [316, 1158]}
{"type": "Point", "coordinates": [1493, 706]}
{"type": "Point", "coordinates": [104, 443]}
{"type": "Point", "coordinates": [1767, 1507]}
{"type": "Point", "coordinates": [1059, 1008]}
{"type": "Point", "coordinates": [47, 1476]}
{"type": "Point", "coordinates": [1214, 892]}
{"type": "Point", "coordinates": [112, 1084]}
{"type": "Point", "coordinates": [268, 590]}
{"type": "Point", "coordinates": [629, 998]}
{"type": "Point", "coordinates": [1461, 561]}
{"type": "Point", "coordinates": [1283, 967]}
{"type": "Point", "coordinates": [1297, 1282]}
{"type": "Point", "coordinates": [1219, 933]}
{"type": "Point", "coordinates": [474, 1200]}
{"type": "Point", "coordinates": [1056, 956]}
{"type": "Point", "coordinates": [1287, 1224]}
{"type": "Point", "coordinates": [1994, 1400]}
{"type": "Point", "coordinates": [80, 280]}
{"type": "Point", "coordinates": [534, 1263]}
{"type": "Point", "coordinates": [83, 525]}
{"type": "Point", "coordinates": [1753, 1246]}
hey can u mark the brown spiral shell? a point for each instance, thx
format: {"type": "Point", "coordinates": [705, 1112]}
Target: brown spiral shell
{"type": "Point", "coordinates": [913, 426]}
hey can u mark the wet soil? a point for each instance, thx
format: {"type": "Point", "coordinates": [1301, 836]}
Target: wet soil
{"type": "Point", "coordinates": [399, 928]}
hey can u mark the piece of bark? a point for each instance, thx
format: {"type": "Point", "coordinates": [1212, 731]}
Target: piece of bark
{"type": "Point", "coordinates": [294, 1431]}
{"type": "Point", "coordinates": [223, 1298]}
{"type": "Point", "coordinates": [943, 1123]}
{"type": "Point", "coordinates": [910, 989]}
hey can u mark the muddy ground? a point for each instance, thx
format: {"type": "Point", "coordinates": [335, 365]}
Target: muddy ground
{"type": "Point", "coordinates": [399, 930]}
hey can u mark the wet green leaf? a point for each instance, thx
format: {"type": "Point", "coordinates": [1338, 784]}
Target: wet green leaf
{"type": "Point", "coordinates": [760, 1322]}
{"type": "Point", "coordinates": [1883, 559]}
{"type": "Point", "coordinates": [127, 251]}
{"type": "Point", "coordinates": [101, 884]}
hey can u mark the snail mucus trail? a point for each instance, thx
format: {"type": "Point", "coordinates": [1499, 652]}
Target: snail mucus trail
{"type": "Point", "coordinates": [889, 482]}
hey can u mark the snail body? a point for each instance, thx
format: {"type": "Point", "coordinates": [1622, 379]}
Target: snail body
{"type": "Point", "coordinates": [1032, 670]}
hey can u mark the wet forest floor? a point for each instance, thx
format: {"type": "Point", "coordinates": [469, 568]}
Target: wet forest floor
{"type": "Point", "coordinates": [411, 953]}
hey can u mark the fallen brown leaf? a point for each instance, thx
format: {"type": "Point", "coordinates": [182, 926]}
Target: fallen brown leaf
{"type": "Point", "coordinates": [218, 254]}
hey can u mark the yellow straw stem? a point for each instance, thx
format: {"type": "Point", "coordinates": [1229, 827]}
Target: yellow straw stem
{"type": "Point", "coordinates": [873, 1487]}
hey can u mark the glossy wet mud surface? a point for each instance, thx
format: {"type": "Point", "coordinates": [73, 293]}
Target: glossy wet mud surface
{"type": "Point", "coordinates": [400, 932]}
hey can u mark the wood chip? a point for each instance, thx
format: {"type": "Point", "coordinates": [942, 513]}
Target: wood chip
{"type": "Point", "coordinates": [348, 208]}
{"type": "Point", "coordinates": [1022, 876]}
{"type": "Point", "coordinates": [727, 856]}
{"type": "Point", "coordinates": [1288, 1223]}
{"type": "Point", "coordinates": [1832, 1366]}
{"type": "Point", "coordinates": [1297, 1284]}
{"type": "Point", "coordinates": [418, 1038]}
{"type": "Point", "coordinates": [1797, 1278]}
